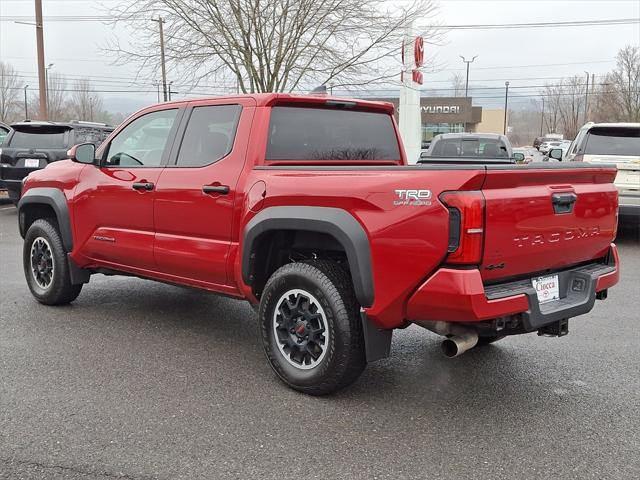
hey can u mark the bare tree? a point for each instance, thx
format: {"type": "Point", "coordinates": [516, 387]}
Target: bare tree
{"type": "Point", "coordinates": [272, 45]}
{"type": "Point", "coordinates": [457, 84]}
{"type": "Point", "coordinates": [57, 97]}
{"type": "Point", "coordinates": [84, 103]}
{"type": "Point", "coordinates": [552, 96]}
{"type": "Point", "coordinates": [9, 93]}
{"type": "Point", "coordinates": [625, 84]}
{"type": "Point", "coordinates": [565, 105]}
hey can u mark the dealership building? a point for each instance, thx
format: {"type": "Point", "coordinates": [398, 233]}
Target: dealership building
{"type": "Point", "coordinates": [454, 115]}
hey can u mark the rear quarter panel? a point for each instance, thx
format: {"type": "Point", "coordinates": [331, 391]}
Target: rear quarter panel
{"type": "Point", "coordinates": [407, 241]}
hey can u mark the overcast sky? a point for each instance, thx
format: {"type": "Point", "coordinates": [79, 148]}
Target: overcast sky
{"type": "Point", "coordinates": [525, 57]}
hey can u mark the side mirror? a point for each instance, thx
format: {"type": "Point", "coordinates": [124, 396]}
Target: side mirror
{"type": "Point", "coordinates": [555, 153]}
{"type": "Point", "coordinates": [83, 153]}
{"type": "Point", "coordinates": [518, 157]}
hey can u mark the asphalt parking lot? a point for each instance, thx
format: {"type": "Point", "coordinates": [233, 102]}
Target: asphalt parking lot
{"type": "Point", "coordinates": [142, 380]}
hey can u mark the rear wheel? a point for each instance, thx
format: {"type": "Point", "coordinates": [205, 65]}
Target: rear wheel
{"type": "Point", "coordinates": [45, 265]}
{"type": "Point", "coordinates": [311, 327]}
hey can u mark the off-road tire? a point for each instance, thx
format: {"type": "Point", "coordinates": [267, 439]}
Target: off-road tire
{"type": "Point", "coordinates": [60, 290]}
{"type": "Point", "coordinates": [345, 357]}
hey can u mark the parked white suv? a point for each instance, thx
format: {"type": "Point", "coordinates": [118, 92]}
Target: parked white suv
{"type": "Point", "coordinates": [617, 143]}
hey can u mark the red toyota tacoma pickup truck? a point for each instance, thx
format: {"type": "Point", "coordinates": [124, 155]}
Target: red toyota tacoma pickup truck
{"type": "Point", "coordinates": [306, 206]}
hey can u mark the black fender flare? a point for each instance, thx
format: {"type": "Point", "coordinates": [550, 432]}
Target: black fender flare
{"type": "Point", "coordinates": [333, 221]}
{"type": "Point", "coordinates": [54, 198]}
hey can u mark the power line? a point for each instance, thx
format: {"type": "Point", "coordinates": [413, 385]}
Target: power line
{"type": "Point", "coordinates": [574, 23]}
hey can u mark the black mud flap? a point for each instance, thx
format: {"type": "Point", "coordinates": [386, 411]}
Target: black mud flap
{"type": "Point", "coordinates": [377, 341]}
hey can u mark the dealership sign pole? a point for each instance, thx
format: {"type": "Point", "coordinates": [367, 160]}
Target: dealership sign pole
{"type": "Point", "coordinates": [410, 122]}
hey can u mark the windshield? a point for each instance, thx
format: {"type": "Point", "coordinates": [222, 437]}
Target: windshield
{"type": "Point", "coordinates": [470, 147]}
{"type": "Point", "coordinates": [39, 138]}
{"type": "Point", "coordinates": [327, 134]}
{"type": "Point", "coordinates": [613, 141]}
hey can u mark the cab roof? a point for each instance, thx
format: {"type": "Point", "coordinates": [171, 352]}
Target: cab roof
{"type": "Point", "coordinates": [273, 99]}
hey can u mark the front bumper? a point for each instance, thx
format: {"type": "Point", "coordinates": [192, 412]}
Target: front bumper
{"type": "Point", "coordinates": [454, 295]}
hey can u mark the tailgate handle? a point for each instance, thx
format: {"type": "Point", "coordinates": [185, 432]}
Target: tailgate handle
{"type": "Point", "coordinates": [563, 202]}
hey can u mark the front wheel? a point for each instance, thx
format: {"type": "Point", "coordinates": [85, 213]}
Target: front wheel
{"type": "Point", "coordinates": [311, 327]}
{"type": "Point", "coordinates": [45, 265]}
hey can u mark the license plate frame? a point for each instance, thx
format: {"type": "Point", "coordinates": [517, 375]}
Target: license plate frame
{"type": "Point", "coordinates": [31, 163]}
{"type": "Point", "coordinates": [547, 288]}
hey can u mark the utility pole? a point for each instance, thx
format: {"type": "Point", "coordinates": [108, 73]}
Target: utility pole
{"type": "Point", "coordinates": [162, 64]}
{"type": "Point", "coordinates": [44, 114]}
{"type": "Point", "coordinates": [586, 100]}
{"type": "Point", "coordinates": [26, 108]}
{"type": "Point", "coordinates": [466, 85]}
{"type": "Point", "coordinates": [542, 116]}
{"type": "Point", "coordinates": [506, 105]}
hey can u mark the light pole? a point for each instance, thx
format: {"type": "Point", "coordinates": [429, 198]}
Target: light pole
{"type": "Point", "coordinates": [46, 82]}
{"type": "Point", "coordinates": [26, 109]}
{"type": "Point", "coordinates": [542, 116]}
{"type": "Point", "coordinates": [466, 85]}
{"type": "Point", "coordinates": [506, 105]}
{"type": "Point", "coordinates": [586, 99]}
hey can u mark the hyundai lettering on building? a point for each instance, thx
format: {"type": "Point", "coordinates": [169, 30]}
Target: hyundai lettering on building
{"type": "Point", "coordinates": [440, 109]}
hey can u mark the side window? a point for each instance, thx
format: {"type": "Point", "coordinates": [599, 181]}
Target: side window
{"type": "Point", "coordinates": [577, 142]}
{"type": "Point", "coordinates": [142, 142]}
{"type": "Point", "coordinates": [209, 135]}
{"type": "Point", "coordinates": [90, 135]}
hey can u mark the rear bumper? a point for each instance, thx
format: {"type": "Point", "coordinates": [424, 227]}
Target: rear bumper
{"type": "Point", "coordinates": [11, 178]}
{"type": "Point", "coordinates": [453, 295]}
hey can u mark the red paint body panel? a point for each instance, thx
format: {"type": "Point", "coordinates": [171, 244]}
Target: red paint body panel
{"type": "Point", "coordinates": [525, 235]}
{"type": "Point", "coordinates": [610, 279]}
{"type": "Point", "coordinates": [458, 296]}
{"type": "Point", "coordinates": [178, 234]}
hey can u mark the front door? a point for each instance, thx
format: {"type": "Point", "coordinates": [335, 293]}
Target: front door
{"type": "Point", "coordinates": [195, 196]}
{"type": "Point", "coordinates": [114, 206]}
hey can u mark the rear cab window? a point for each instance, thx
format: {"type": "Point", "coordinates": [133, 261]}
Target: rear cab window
{"type": "Point", "coordinates": [326, 134]}
{"type": "Point", "coordinates": [49, 137]}
{"type": "Point", "coordinates": [470, 147]}
{"type": "Point", "coordinates": [623, 142]}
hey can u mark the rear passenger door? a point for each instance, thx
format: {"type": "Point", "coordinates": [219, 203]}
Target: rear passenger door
{"type": "Point", "coordinates": [195, 194]}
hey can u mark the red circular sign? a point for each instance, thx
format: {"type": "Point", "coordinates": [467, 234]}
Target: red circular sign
{"type": "Point", "coordinates": [418, 51]}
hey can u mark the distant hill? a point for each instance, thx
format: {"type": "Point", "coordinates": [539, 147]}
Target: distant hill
{"type": "Point", "coordinates": [126, 106]}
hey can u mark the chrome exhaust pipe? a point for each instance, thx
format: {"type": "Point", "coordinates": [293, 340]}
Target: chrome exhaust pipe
{"type": "Point", "coordinates": [458, 344]}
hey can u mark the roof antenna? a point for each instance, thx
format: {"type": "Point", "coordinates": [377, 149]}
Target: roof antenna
{"type": "Point", "coordinates": [320, 91]}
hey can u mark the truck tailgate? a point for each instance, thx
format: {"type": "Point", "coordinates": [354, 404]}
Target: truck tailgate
{"type": "Point", "coordinates": [546, 217]}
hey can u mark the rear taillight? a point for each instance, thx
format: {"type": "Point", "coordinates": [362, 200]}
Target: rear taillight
{"type": "Point", "coordinates": [466, 226]}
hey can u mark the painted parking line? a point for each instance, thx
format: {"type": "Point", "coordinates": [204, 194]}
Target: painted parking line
{"type": "Point", "coordinates": [7, 208]}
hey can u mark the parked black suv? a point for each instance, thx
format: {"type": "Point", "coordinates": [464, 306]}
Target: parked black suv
{"type": "Point", "coordinates": [31, 146]}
